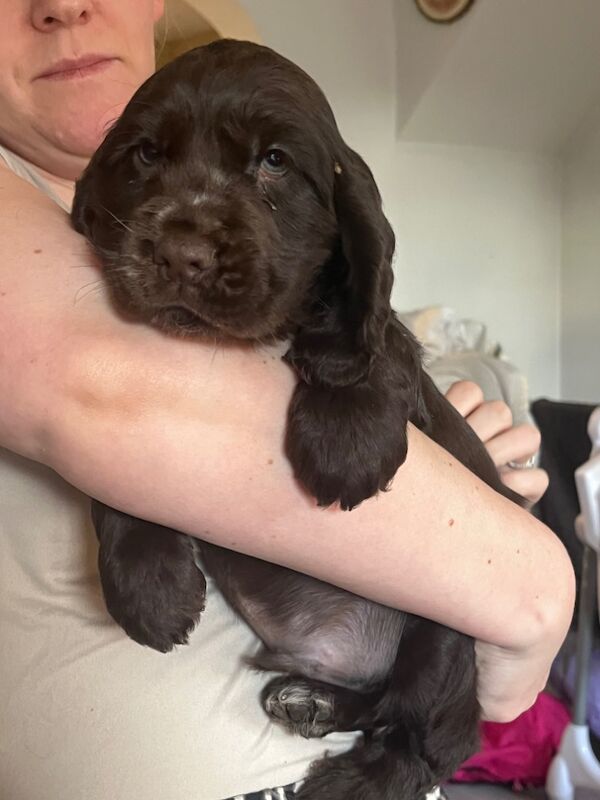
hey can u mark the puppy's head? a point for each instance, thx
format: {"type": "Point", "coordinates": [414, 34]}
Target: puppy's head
{"type": "Point", "coordinates": [224, 199]}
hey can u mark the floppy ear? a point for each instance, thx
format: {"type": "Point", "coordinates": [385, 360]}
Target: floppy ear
{"type": "Point", "coordinates": [359, 369]}
{"type": "Point", "coordinates": [345, 329]}
{"type": "Point", "coordinates": [81, 212]}
{"type": "Point", "coordinates": [367, 246]}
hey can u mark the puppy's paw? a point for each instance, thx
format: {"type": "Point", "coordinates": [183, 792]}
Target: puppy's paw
{"type": "Point", "coordinates": [300, 706]}
{"type": "Point", "coordinates": [152, 586]}
{"type": "Point", "coordinates": [345, 444]}
{"type": "Point", "coordinates": [157, 598]}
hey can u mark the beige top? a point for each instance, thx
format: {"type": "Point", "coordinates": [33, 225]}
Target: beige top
{"type": "Point", "coordinates": [87, 714]}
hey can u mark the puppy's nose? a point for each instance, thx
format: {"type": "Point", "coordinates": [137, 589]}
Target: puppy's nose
{"type": "Point", "coordinates": [183, 258]}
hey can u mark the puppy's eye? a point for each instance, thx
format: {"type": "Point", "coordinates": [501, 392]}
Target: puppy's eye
{"type": "Point", "coordinates": [148, 153]}
{"type": "Point", "coordinates": [274, 161]}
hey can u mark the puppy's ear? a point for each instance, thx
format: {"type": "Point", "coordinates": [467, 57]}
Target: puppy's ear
{"type": "Point", "coordinates": [82, 215]}
{"type": "Point", "coordinates": [359, 372]}
{"type": "Point", "coordinates": [345, 329]}
{"type": "Point", "coordinates": [367, 247]}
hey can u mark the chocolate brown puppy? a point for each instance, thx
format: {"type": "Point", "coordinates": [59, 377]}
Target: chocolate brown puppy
{"type": "Point", "coordinates": [225, 204]}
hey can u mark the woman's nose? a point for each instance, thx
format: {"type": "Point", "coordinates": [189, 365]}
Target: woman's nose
{"type": "Point", "coordinates": [48, 15]}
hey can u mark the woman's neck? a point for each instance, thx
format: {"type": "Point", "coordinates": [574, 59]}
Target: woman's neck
{"type": "Point", "coordinates": [63, 187]}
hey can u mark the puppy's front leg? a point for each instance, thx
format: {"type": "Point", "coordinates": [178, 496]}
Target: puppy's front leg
{"type": "Point", "coordinates": [152, 586]}
{"type": "Point", "coordinates": [346, 444]}
{"type": "Point", "coordinates": [346, 439]}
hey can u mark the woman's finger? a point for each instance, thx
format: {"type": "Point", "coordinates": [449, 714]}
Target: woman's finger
{"type": "Point", "coordinates": [529, 483]}
{"type": "Point", "coordinates": [465, 396]}
{"type": "Point", "coordinates": [490, 419]}
{"type": "Point", "coordinates": [492, 422]}
{"type": "Point", "coordinates": [515, 444]}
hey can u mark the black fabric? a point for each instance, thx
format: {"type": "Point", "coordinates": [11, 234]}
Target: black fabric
{"type": "Point", "coordinates": [565, 446]}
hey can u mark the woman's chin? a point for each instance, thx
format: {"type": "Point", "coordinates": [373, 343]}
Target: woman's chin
{"type": "Point", "coordinates": [84, 119]}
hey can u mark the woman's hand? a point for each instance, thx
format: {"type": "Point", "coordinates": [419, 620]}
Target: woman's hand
{"type": "Point", "coordinates": [509, 680]}
{"type": "Point", "coordinates": [492, 422]}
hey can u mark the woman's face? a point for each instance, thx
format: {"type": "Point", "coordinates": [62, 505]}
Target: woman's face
{"type": "Point", "coordinates": [67, 68]}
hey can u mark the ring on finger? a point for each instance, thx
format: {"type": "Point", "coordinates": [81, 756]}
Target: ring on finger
{"type": "Point", "coordinates": [529, 464]}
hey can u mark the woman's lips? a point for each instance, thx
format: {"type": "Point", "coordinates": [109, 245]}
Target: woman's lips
{"type": "Point", "coordinates": [70, 69]}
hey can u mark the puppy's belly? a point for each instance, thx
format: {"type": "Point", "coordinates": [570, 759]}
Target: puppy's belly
{"type": "Point", "coordinates": [308, 627]}
{"type": "Point", "coordinates": [345, 641]}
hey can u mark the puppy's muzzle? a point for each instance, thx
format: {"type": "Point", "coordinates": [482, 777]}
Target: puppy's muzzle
{"type": "Point", "coordinates": [184, 257]}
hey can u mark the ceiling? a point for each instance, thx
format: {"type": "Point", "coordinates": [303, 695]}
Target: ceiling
{"type": "Point", "coordinates": [516, 74]}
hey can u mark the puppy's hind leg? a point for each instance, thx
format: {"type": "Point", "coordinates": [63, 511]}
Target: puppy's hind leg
{"type": "Point", "coordinates": [312, 708]}
{"type": "Point", "coordinates": [423, 726]}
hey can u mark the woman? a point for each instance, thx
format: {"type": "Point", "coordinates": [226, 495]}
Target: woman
{"type": "Point", "coordinates": [106, 405]}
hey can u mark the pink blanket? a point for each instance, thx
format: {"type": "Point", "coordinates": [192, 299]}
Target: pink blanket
{"type": "Point", "coordinates": [518, 752]}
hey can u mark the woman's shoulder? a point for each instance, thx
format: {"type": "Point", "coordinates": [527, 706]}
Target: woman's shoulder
{"type": "Point", "coordinates": [59, 192]}
{"type": "Point", "coordinates": [20, 187]}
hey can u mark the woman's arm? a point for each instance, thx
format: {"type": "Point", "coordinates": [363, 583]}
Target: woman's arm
{"type": "Point", "coordinates": [190, 436]}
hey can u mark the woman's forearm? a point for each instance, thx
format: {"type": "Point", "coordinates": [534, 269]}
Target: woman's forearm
{"type": "Point", "coordinates": [190, 435]}
{"type": "Point", "coordinates": [193, 439]}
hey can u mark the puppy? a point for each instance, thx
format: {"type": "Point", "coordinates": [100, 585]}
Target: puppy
{"type": "Point", "coordinates": [225, 203]}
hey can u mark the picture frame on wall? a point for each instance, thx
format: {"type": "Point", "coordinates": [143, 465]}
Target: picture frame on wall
{"type": "Point", "coordinates": [443, 11]}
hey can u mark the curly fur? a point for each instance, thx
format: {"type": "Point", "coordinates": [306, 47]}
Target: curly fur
{"type": "Point", "coordinates": [205, 230]}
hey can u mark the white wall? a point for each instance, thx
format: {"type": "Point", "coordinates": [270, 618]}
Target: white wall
{"type": "Point", "coordinates": [480, 230]}
{"type": "Point", "coordinates": [348, 47]}
{"type": "Point", "coordinates": [477, 229]}
{"type": "Point", "coordinates": [511, 74]}
{"type": "Point", "coordinates": [580, 344]}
